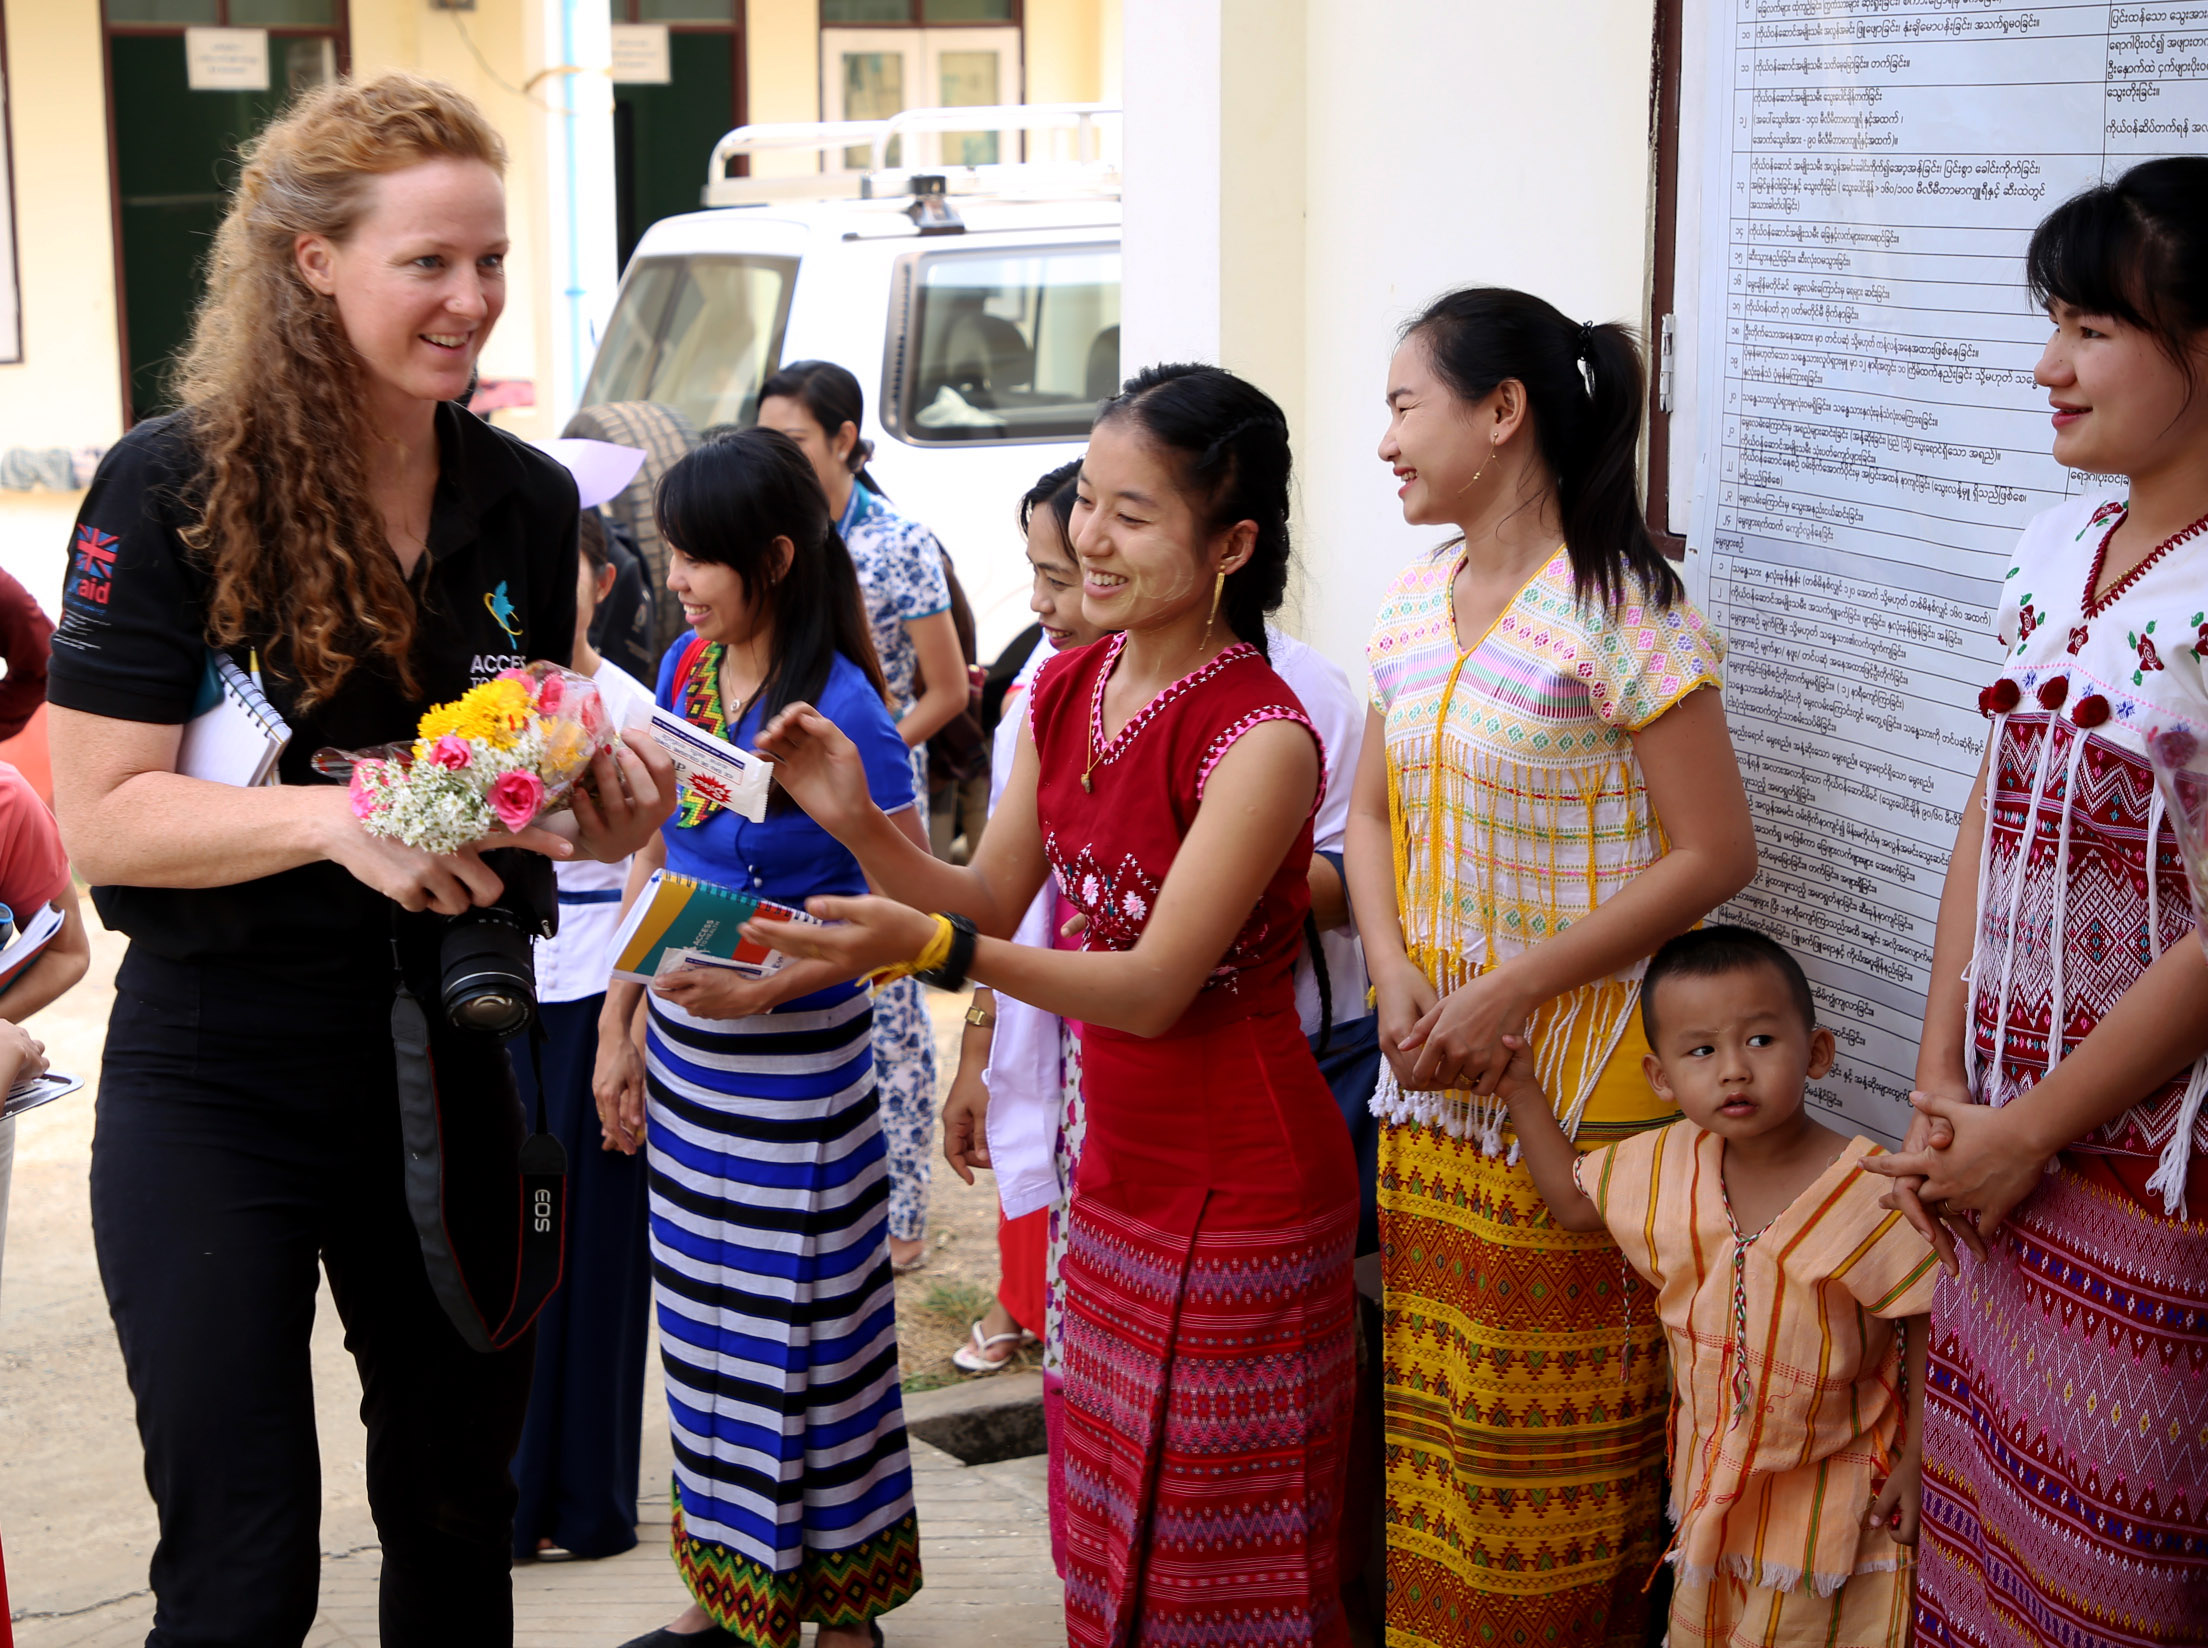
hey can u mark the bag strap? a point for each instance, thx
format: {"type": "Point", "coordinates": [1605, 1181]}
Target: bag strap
{"type": "Point", "coordinates": [1325, 981]}
{"type": "Point", "coordinates": [541, 1166]}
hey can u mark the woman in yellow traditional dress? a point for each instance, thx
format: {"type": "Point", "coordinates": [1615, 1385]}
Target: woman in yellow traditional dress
{"type": "Point", "coordinates": [1546, 793]}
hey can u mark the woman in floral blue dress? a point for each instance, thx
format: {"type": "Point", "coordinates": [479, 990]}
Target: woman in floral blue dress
{"type": "Point", "coordinates": [819, 405]}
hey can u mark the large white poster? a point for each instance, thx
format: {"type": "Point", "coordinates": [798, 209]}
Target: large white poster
{"type": "Point", "coordinates": [1873, 440]}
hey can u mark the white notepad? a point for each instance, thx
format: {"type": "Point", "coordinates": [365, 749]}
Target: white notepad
{"type": "Point", "coordinates": [235, 735]}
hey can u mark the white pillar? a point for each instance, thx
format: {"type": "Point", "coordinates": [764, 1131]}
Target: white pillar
{"type": "Point", "coordinates": [579, 209]}
{"type": "Point", "coordinates": [1169, 304]}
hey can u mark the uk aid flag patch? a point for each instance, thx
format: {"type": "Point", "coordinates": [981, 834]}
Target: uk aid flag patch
{"type": "Point", "coordinates": [92, 568]}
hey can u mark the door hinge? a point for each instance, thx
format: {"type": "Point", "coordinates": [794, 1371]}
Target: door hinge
{"type": "Point", "coordinates": [1667, 351]}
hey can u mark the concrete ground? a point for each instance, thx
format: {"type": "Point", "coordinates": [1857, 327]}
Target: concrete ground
{"type": "Point", "coordinates": [78, 1526]}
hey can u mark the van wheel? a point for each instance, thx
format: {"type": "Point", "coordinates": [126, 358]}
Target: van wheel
{"type": "Point", "coordinates": [663, 435]}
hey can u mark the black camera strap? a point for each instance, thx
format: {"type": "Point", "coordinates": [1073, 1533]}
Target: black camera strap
{"type": "Point", "coordinates": [541, 1166]}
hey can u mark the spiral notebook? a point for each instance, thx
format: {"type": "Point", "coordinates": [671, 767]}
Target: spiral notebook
{"type": "Point", "coordinates": [677, 922]}
{"type": "Point", "coordinates": [235, 735]}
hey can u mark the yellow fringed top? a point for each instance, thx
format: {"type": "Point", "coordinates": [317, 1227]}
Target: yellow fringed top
{"type": "Point", "coordinates": [1515, 799]}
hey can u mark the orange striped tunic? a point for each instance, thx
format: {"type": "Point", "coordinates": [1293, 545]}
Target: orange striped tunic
{"type": "Point", "coordinates": [1771, 1490]}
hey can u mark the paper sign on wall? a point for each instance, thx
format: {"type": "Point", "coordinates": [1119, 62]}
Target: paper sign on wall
{"type": "Point", "coordinates": [640, 54]}
{"type": "Point", "coordinates": [226, 60]}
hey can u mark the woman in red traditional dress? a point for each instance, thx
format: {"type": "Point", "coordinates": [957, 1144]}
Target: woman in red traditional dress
{"type": "Point", "coordinates": [1167, 778]}
{"type": "Point", "coordinates": [2061, 1133]}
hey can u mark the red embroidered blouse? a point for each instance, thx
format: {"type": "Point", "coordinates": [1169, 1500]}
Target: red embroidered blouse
{"type": "Point", "coordinates": [1111, 844]}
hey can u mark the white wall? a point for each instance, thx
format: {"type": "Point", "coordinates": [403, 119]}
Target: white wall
{"type": "Point", "coordinates": [67, 391]}
{"type": "Point", "coordinates": [1443, 143]}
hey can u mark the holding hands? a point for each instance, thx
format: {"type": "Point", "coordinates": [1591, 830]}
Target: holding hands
{"type": "Point", "coordinates": [1402, 998]}
{"type": "Point", "coordinates": [1458, 1039]}
{"type": "Point", "coordinates": [1962, 1160]}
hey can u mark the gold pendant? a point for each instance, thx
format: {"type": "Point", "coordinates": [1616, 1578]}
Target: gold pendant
{"type": "Point", "coordinates": [1086, 787]}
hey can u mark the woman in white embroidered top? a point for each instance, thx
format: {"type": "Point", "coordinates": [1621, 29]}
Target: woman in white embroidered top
{"type": "Point", "coordinates": [2061, 1066]}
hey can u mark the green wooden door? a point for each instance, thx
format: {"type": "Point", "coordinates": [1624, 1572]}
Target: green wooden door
{"type": "Point", "coordinates": [175, 164]}
{"type": "Point", "coordinates": [663, 135]}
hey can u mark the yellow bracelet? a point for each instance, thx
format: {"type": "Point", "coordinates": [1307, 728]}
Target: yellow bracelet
{"type": "Point", "coordinates": [934, 954]}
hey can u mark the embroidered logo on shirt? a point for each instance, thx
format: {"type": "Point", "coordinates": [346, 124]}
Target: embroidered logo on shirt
{"type": "Point", "coordinates": [502, 609]}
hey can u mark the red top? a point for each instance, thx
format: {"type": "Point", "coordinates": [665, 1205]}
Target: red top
{"type": "Point", "coordinates": [33, 869]}
{"type": "Point", "coordinates": [1111, 845]}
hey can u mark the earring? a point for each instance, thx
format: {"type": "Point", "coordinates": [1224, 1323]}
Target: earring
{"type": "Point", "coordinates": [1484, 462]}
{"type": "Point", "coordinates": [1218, 589]}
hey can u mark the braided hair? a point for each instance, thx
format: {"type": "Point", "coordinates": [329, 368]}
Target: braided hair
{"type": "Point", "coordinates": [1230, 440]}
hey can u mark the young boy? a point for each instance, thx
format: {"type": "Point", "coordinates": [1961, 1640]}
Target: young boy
{"type": "Point", "coordinates": [1781, 1283]}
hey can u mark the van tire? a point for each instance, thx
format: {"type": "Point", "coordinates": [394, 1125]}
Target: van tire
{"type": "Point", "coordinates": [663, 435]}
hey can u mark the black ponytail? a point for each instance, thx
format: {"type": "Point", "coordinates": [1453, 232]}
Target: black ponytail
{"type": "Point", "coordinates": [831, 394]}
{"type": "Point", "coordinates": [1586, 387]}
{"type": "Point", "coordinates": [1232, 443]}
{"type": "Point", "coordinates": [726, 502]}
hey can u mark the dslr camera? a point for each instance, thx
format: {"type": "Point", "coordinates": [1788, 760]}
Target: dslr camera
{"type": "Point", "coordinates": [486, 962]}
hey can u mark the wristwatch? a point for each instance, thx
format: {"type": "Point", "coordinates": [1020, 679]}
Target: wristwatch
{"type": "Point", "coordinates": [980, 1017]}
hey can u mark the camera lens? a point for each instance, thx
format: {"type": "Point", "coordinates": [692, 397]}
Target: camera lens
{"type": "Point", "coordinates": [489, 975]}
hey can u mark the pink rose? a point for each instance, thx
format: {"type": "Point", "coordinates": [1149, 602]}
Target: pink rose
{"type": "Point", "coordinates": [451, 752]}
{"type": "Point", "coordinates": [516, 797]}
{"type": "Point", "coordinates": [551, 694]}
{"type": "Point", "coordinates": [362, 799]}
{"type": "Point", "coordinates": [521, 675]}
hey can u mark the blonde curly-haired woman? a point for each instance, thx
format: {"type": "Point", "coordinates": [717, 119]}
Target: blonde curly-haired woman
{"type": "Point", "coordinates": [321, 511]}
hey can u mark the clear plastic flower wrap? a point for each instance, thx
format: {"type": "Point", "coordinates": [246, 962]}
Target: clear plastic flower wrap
{"type": "Point", "coordinates": [2180, 761]}
{"type": "Point", "coordinates": [493, 761]}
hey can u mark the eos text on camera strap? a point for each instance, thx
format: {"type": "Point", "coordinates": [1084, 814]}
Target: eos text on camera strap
{"type": "Point", "coordinates": [542, 1208]}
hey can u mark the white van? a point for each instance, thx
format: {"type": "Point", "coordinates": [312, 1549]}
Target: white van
{"type": "Point", "coordinates": [980, 313]}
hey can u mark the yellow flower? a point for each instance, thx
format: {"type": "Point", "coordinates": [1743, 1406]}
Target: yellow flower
{"type": "Point", "coordinates": [493, 712]}
{"type": "Point", "coordinates": [567, 751]}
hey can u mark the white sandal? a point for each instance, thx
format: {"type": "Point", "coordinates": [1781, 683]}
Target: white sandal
{"type": "Point", "coordinates": [975, 1358]}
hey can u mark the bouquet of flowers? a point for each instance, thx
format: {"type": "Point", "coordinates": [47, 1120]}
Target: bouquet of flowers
{"type": "Point", "coordinates": [2181, 773]}
{"type": "Point", "coordinates": [498, 758]}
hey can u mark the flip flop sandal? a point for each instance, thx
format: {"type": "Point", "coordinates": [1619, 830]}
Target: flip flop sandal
{"type": "Point", "coordinates": [905, 1267]}
{"type": "Point", "coordinates": [975, 1357]}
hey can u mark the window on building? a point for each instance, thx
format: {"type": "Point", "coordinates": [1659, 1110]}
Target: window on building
{"type": "Point", "coordinates": [1003, 346]}
{"type": "Point", "coordinates": [879, 57]}
{"type": "Point", "coordinates": [173, 150]}
{"type": "Point", "coordinates": [233, 14]}
{"type": "Point", "coordinates": [689, 95]}
{"type": "Point", "coordinates": [918, 11]}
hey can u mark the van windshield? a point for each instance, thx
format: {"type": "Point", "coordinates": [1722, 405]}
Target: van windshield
{"type": "Point", "coordinates": [698, 334]}
{"type": "Point", "coordinates": [1009, 346]}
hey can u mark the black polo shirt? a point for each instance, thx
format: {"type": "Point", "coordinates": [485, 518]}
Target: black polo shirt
{"type": "Point", "coordinates": [496, 589]}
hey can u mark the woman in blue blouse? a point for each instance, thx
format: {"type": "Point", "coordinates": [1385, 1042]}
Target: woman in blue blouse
{"type": "Point", "coordinates": [756, 1102]}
